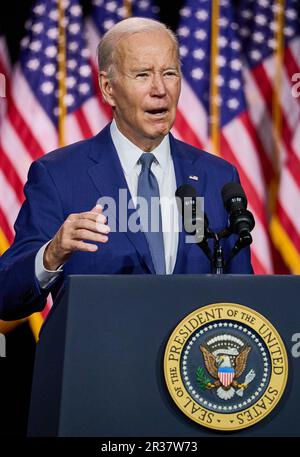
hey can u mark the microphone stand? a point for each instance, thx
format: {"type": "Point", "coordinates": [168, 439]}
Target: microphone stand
{"type": "Point", "coordinates": [217, 259]}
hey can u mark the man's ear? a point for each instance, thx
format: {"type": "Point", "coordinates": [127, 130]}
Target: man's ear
{"type": "Point", "coordinates": [106, 88]}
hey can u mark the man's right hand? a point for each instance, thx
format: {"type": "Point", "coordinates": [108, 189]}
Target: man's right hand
{"type": "Point", "coordinates": [88, 226]}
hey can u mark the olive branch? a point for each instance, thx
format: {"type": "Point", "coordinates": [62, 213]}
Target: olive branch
{"type": "Point", "coordinates": [202, 379]}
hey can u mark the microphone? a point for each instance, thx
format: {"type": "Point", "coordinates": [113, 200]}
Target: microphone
{"type": "Point", "coordinates": [194, 221]}
{"type": "Point", "coordinates": [241, 221]}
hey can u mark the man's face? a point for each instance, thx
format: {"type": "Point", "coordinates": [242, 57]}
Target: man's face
{"type": "Point", "coordinates": [145, 88]}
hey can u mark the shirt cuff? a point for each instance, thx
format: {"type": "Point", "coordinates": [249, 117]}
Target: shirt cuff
{"type": "Point", "coordinates": [45, 277]}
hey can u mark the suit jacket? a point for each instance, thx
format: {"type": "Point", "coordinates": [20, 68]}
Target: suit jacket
{"type": "Point", "coordinates": [70, 180]}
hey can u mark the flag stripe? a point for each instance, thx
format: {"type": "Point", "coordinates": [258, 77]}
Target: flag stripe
{"type": "Point", "coordinates": [12, 177]}
{"type": "Point", "coordinates": [261, 75]}
{"type": "Point", "coordinates": [85, 128]}
{"type": "Point", "coordinates": [289, 110]}
{"type": "Point", "coordinates": [192, 110]}
{"type": "Point", "coordinates": [97, 119]}
{"type": "Point", "coordinates": [186, 133]}
{"type": "Point", "coordinates": [14, 149]}
{"type": "Point", "coordinates": [44, 138]}
{"type": "Point", "coordinates": [265, 163]}
{"type": "Point", "coordinates": [261, 251]}
{"type": "Point", "coordinates": [73, 132]}
{"type": "Point", "coordinates": [230, 155]}
{"type": "Point", "coordinates": [24, 131]}
{"type": "Point", "coordinates": [294, 49]}
{"type": "Point", "coordinates": [236, 133]}
{"type": "Point", "coordinates": [258, 115]}
{"type": "Point", "coordinates": [288, 226]}
{"type": "Point", "coordinates": [289, 198]}
{"type": "Point", "coordinates": [290, 63]}
{"type": "Point", "coordinates": [10, 204]}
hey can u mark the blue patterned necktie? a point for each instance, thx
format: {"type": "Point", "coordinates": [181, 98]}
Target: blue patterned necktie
{"type": "Point", "coordinates": [148, 189]}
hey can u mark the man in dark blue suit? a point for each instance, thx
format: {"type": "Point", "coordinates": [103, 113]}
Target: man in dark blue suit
{"type": "Point", "coordinates": [61, 229]}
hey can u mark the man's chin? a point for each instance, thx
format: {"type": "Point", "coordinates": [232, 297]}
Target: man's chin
{"type": "Point", "coordinates": [159, 131]}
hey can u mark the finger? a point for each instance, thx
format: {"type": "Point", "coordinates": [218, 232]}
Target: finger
{"type": "Point", "coordinates": [82, 246]}
{"type": "Point", "coordinates": [102, 228]}
{"type": "Point", "coordinates": [87, 235]}
{"type": "Point", "coordinates": [97, 210]}
{"type": "Point", "coordinates": [98, 207]}
{"type": "Point", "coordinates": [73, 218]}
{"type": "Point", "coordinates": [92, 215]}
{"type": "Point", "coordinates": [94, 226]}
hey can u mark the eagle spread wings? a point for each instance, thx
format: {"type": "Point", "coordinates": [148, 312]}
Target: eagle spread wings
{"type": "Point", "coordinates": [211, 365]}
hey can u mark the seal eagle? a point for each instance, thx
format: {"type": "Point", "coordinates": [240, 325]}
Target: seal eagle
{"type": "Point", "coordinates": [225, 369]}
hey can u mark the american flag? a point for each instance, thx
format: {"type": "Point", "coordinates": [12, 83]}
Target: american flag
{"type": "Point", "coordinates": [270, 37]}
{"type": "Point", "coordinates": [237, 139]}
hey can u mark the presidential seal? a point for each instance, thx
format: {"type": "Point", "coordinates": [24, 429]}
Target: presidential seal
{"type": "Point", "coordinates": [225, 366]}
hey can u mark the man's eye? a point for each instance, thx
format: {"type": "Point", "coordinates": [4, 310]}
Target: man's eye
{"type": "Point", "coordinates": [170, 73]}
{"type": "Point", "coordinates": [142, 75]}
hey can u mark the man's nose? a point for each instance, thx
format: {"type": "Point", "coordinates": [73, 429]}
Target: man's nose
{"type": "Point", "coordinates": [158, 88]}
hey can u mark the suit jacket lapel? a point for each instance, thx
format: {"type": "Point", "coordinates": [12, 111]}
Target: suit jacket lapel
{"type": "Point", "coordinates": [108, 177]}
{"type": "Point", "coordinates": [184, 165]}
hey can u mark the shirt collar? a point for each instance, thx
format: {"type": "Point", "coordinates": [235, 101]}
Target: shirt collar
{"type": "Point", "coordinates": [129, 153]}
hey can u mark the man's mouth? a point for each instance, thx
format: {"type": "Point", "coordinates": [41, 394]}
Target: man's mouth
{"type": "Point", "coordinates": [157, 111]}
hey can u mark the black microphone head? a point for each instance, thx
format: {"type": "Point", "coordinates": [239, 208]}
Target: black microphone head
{"type": "Point", "coordinates": [234, 193]}
{"type": "Point", "coordinates": [189, 206]}
{"type": "Point", "coordinates": [186, 191]}
{"type": "Point", "coordinates": [185, 196]}
{"type": "Point", "coordinates": [241, 221]}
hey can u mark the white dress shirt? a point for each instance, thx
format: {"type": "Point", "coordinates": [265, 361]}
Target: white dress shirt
{"type": "Point", "coordinates": [163, 169]}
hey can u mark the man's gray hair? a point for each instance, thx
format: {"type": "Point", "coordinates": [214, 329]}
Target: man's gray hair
{"type": "Point", "coordinates": [107, 47]}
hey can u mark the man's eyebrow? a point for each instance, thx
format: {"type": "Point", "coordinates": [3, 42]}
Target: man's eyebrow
{"type": "Point", "coordinates": [138, 69]}
{"type": "Point", "coordinates": [141, 69]}
{"type": "Point", "coordinates": [173, 67]}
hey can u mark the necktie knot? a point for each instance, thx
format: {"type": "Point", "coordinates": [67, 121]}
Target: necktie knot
{"type": "Point", "coordinates": [146, 160]}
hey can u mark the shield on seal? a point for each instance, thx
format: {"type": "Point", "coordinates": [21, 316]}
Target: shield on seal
{"type": "Point", "coordinates": [226, 375]}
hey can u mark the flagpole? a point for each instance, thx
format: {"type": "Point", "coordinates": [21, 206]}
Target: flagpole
{"type": "Point", "coordinates": [128, 8]}
{"type": "Point", "coordinates": [214, 114]}
{"type": "Point", "coordinates": [276, 109]}
{"type": "Point", "coordinates": [61, 57]}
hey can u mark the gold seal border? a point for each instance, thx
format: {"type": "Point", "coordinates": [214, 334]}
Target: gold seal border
{"type": "Point", "coordinates": [206, 417]}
